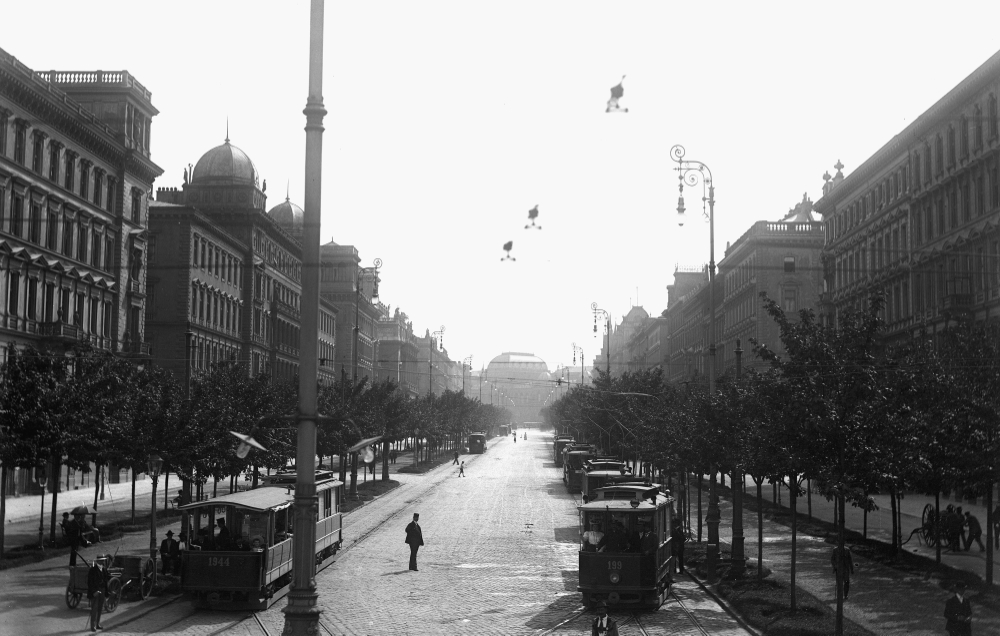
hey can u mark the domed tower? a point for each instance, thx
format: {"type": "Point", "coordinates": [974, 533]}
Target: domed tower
{"type": "Point", "coordinates": [225, 178]}
{"type": "Point", "coordinates": [290, 217]}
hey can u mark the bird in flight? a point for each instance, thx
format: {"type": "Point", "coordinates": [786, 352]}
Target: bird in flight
{"type": "Point", "coordinates": [616, 93]}
{"type": "Point", "coordinates": [508, 246]}
{"type": "Point", "coordinates": [532, 215]}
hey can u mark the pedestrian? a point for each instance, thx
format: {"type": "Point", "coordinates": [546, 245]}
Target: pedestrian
{"type": "Point", "coordinates": [392, 456]}
{"type": "Point", "coordinates": [603, 624]}
{"type": "Point", "coordinates": [73, 535]}
{"type": "Point", "coordinates": [996, 526]}
{"type": "Point", "coordinates": [415, 538]}
{"type": "Point", "coordinates": [456, 458]}
{"type": "Point", "coordinates": [958, 612]}
{"type": "Point", "coordinates": [461, 470]}
{"type": "Point", "coordinates": [170, 552]}
{"type": "Point", "coordinates": [960, 526]}
{"type": "Point", "coordinates": [515, 438]}
{"type": "Point", "coordinates": [97, 590]}
{"type": "Point", "coordinates": [677, 539]}
{"type": "Point", "coordinates": [975, 532]}
{"type": "Point", "coordinates": [843, 563]}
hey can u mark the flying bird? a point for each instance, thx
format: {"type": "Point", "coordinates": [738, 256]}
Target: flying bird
{"type": "Point", "coordinates": [616, 93]}
{"type": "Point", "coordinates": [532, 215]}
{"type": "Point", "coordinates": [507, 248]}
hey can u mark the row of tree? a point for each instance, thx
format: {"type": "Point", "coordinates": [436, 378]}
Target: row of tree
{"type": "Point", "coordinates": [89, 409]}
{"type": "Point", "coordinates": [841, 406]}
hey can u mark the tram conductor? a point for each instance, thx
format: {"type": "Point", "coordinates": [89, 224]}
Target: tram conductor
{"type": "Point", "coordinates": [415, 538]}
{"type": "Point", "coordinates": [603, 625]}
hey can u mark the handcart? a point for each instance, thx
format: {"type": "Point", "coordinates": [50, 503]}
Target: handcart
{"type": "Point", "coordinates": [78, 586]}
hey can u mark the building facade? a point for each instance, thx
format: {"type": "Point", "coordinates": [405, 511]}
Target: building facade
{"type": "Point", "coordinates": [353, 291]}
{"type": "Point", "coordinates": [228, 287]}
{"type": "Point", "coordinates": [396, 351]}
{"type": "Point", "coordinates": [917, 221]}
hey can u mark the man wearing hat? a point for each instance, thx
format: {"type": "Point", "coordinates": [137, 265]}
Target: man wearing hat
{"type": "Point", "coordinates": [603, 624]}
{"type": "Point", "coordinates": [415, 539]}
{"type": "Point", "coordinates": [170, 552]}
{"type": "Point", "coordinates": [958, 612]}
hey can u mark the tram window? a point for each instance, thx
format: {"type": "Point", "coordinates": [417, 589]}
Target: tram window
{"type": "Point", "coordinates": [593, 537]}
{"type": "Point", "coordinates": [327, 509]}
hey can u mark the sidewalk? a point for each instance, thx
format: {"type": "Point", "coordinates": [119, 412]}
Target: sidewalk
{"type": "Point", "coordinates": [880, 525]}
{"type": "Point", "coordinates": [884, 599]}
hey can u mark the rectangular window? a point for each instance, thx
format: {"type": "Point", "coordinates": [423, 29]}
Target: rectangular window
{"type": "Point", "coordinates": [16, 215]}
{"type": "Point", "coordinates": [953, 207]}
{"type": "Point", "coordinates": [70, 180]}
{"type": "Point", "coordinates": [50, 302]}
{"type": "Point", "coordinates": [918, 294]}
{"type": "Point", "coordinates": [964, 139]}
{"type": "Point", "coordinates": [109, 254]}
{"type": "Point", "coordinates": [94, 312]}
{"type": "Point", "coordinates": [51, 230]}
{"type": "Point", "coordinates": [994, 187]}
{"type": "Point", "coordinates": [106, 326]}
{"type": "Point", "coordinates": [966, 203]}
{"type": "Point", "coordinates": [95, 250]}
{"type": "Point", "coordinates": [13, 293]}
{"type": "Point", "coordinates": [194, 300]}
{"type": "Point", "coordinates": [980, 196]}
{"type": "Point", "coordinates": [81, 242]}
{"type": "Point", "coordinates": [32, 289]}
{"type": "Point", "coordinates": [20, 142]}
{"type": "Point", "coordinates": [67, 241]}
{"type": "Point", "coordinates": [37, 153]}
{"type": "Point", "coordinates": [788, 300]}
{"type": "Point", "coordinates": [53, 161]}
{"type": "Point", "coordinates": [109, 201]}
{"type": "Point", "coordinates": [84, 179]}
{"type": "Point", "coordinates": [35, 223]}
{"type": "Point", "coordinates": [4, 122]}
{"type": "Point", "coordinates": [97, 188]}
{"type": "Point", "coordinates": [136, 204]}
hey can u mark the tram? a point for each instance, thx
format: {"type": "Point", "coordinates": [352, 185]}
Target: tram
{"type": "Point", "coordinates": [625, 551]}
{"type": "Point", "coordinates": [557, 447]}
{"type": "Point", "coordinates": [252, 569]}
{"type": "Point", "coordinates": [597, 474]}
{"type": "Point", "coordinates": [574, 458]}
{"type": "Point", "coordinates": [477, 443]}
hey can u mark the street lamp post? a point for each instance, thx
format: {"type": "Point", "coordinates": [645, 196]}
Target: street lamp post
{"type": "Point", "coordinates": [739, 562]}
{"type": "Point", "coordinates": [430, 359]}
{"type": "Point", "coordinates": [42, 479]}
{"type": "Point", "coordinates": [302, 611]}
{"type": "Point", "coordinates": [691, 172]}
{"type": "Point", "coordinates": [153, 466]}
{"type": "Point", "coordinates": [607, 327]}
{"type": "Point", "coordinates": [361, 271]}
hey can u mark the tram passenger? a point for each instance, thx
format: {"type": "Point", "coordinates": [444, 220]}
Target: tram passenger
{"type": "Point", "coordinates": [647, 538]}
{"type": "Point", "coordinates": [592, 538]}
{"type": "Point", "coordinates": [616, 540]}
{"type": "Point", "coordinates": [223, 540]}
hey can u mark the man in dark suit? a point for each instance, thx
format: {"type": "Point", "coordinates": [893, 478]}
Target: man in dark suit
{"type": "Point", "coordinates": [170, 553]}
{"type": "Point", "coordinates": [603, 625]}
{"type": "Point", "coordinates": [415, 538]}
{"type": "Point", "coordinates": [97, 590]}
{"type": "Point", "coordinates": [958, 611]}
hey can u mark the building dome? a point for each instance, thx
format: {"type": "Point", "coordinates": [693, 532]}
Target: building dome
{"type": "Point", "coordinates": [523, 366]}
{"type": "Point", "coordinates": [289, 216]}
{"type": "Point", "coordinates": [225, 165]}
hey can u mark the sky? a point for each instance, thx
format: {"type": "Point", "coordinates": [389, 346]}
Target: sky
{"type": "Point", "coordinates": [448, 121]}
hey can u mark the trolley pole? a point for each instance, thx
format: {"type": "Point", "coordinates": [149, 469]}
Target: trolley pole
{"type": "Point", "coordinates": [302, 612]}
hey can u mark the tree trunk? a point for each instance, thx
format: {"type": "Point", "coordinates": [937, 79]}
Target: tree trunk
{"type": "Point", "coordinates": [839, 628]}
{"type": "Point", "coordinates": [385, 460]}
{"type": "Point", "coordinates": [792, 488]}
{"type": "Point", "coordinates": [97, 492]}
{"type": "Point", "coordinates": [3, 506]}
{"type": "Point", "coordinates": [892, 496]}
{"type": "Point", "coordinates": [56, 466]}
{"type": "Point", "coordinates": [937, 526]}
{"type": "Point", "coordinates": [700, 477]}
{"type": "Point", "coordinates": [990, 534]}
{"type": "Point", "coordinates": [809, 498]}
{"type": "Point", "coordinates": [760, 529]}
{"type": "Point", "coordinates": [133, 496]}
{"type": "Point", "coordinates": [166, 490]}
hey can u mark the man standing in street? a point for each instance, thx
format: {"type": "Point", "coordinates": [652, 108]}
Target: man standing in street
{"type": "Point", "coordinates": [603, 625]}
{"type": "Point", "coordinates": [170, 553]}
{"type": "Point", "coordinates": [456, 458]}
{"type": "Point", "coordinates": [415, 538]}
{"type": "Point", "coordinates": [97, 590]}
{"type": "Point", "coordinates": [677, 539]}
{"type": "Point", "coordinates": [844, 563]}
{"type": "Point", "coordinates": [958, 612]}
{"type": "Point", "coordinates": [75, 537]}
{"type": "Point", "coordinates": [461, 470]}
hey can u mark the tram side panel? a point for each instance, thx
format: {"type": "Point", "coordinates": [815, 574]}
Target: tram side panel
{"type": "Point", "coordinates": [214, 571]}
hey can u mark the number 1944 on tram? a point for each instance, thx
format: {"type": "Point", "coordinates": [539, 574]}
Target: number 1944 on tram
{"type": "Point", "coordinates": [625, 552]}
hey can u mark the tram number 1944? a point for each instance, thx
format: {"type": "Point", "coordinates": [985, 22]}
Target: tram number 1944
{"type": "Point", "coordinates": [614, 565]}
{"type": "Point", "coordinates": [218, 562]}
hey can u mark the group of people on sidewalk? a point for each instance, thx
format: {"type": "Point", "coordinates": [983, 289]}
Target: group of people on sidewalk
{"type": "Point", "coordinates": [962, 529]}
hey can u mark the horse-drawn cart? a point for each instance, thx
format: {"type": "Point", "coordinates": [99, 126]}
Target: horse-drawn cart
{"type": "Point", "coordinates": [133, 574]}
{"type": "Point", "coordinates": [929, 531]}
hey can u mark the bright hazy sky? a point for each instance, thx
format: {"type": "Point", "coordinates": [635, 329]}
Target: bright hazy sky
{"type": "Point", "coordinates": [449, 120]}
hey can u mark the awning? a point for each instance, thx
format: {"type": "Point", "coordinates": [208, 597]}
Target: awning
{"type": "Point", "coordinates": [363, 443]}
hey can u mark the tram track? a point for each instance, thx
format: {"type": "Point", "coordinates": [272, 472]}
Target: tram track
{"type": "Point", "coordinates": [694, 619]}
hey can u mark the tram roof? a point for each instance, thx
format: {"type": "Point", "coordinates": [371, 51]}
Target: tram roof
{"type": "Point", "coordinates": [625, 505]}
{"type": "Point", "coordinates": [258, 499]}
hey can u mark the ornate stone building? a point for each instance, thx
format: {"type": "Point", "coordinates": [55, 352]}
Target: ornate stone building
{"type": "Point", "coordinates": [75, 173]}
{"type": "Point", "coordinates": [352, 291]}
{"type": "Point", "coordinates": [227, 287]}
{"type": "Point", "coordinates": [521, 383]}
{"type": "Point", "coordinates": [918, 220]}
{"type": "Point", "coordinates": [396, 351]}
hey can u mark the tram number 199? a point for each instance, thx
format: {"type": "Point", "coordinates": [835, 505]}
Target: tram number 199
{"type": "Point", "coordinates": [218, 562]}
{"type": "Point", "coordinates": [614, 565]}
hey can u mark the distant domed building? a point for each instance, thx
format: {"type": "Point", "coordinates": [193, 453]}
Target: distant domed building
{"type": "Point", "coordinates": [290, 217]}
{"type": "Point", "coordinates": [225, 165]}
{"type": "Point", "coordinates": [521, 383]}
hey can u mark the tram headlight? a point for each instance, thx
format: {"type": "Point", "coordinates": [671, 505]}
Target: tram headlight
{"type": "Point", "coordinates": [615, 577]}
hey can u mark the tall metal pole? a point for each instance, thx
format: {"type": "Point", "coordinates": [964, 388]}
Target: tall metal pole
{"type": "Point", "coordinates": [430, 356]}
{"type": "Point", "coordinates": [357, 302]}
{"type": "Point", "coordinates": [607, 326]}
{"type": "Point", "coordinates": [302, 611]}
{"type": "Point", "coordinates": [691, 172]}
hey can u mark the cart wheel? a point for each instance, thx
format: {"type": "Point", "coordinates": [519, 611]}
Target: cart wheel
{"type": "Point", "coordinates": [148, 576]}
{"type": "Point", "coordinates": [114, 593]}
{"type": "Point", "coordinates": [926, 519]}
{"type": "Point", "coordinates": [72, 598]}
